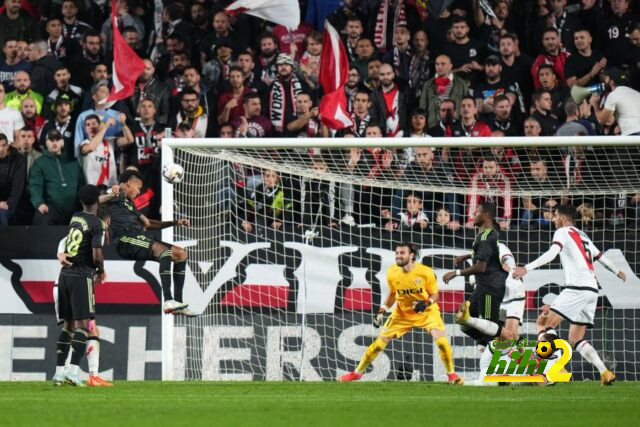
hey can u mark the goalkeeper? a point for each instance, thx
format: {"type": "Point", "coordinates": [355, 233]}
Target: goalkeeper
{"type": "Point", "coordinates": [414, 287]}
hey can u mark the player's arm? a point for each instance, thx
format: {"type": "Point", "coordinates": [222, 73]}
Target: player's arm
{"type": "Point", "coordinates": [98, 261]}
{"type": "Point", "coordinates": [106, 198]}
{"type": "Point", "coordinates": [608, 264]}
{"type": "Point", "coordinates": [543, 259]}
{"type": "Point", "coordinates": [378, 320]}
{"type": "Point", "coordinates": [153, 224]}
{"type": "Point", "coordinates": [421, 305]}
{"type": "Point", "coordinates": [61, 254]}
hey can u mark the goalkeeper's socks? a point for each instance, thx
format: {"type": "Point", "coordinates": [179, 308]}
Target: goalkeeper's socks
{"type": "Point", "coordinates": [370, 355]}
{"type": "Point", "coordinates": [590, 354]}
{"type": "Point", "coordinates": [179, 268]}
{"type": "Point", "coordinates": [446, 355]}
{"type": "Point", "coordinates": [63, 347]}
{"type": "Point", "coordinates": [93, 355]}
{"type": "Point", "coordinates": [483, 325]}
{"type": "Point", "coordinates": [165, 274]}
{"type": "Point", "coordinates": [79, 344]}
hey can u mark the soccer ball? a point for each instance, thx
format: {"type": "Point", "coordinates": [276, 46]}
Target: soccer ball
{"type": "Point", "coordinates": [172, 173]}
{"type": "Point", "coordinates": [544, 349]}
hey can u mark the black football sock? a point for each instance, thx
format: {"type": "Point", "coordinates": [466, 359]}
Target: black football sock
{"type": "Point", "coordinates": [179, 269]}
{"type": "Point", "coordinates": [79, 344]}
{"type": "Point", "coordinates": [165, 274]}
{"type": "Point", "coordinates": [64, 345]}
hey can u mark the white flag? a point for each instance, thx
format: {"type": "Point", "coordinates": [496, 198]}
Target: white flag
{"type": "Point", "coordinates": [283, 12]}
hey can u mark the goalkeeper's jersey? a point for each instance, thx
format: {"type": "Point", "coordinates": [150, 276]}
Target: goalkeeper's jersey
{"type": "Point", "coordinates": [412, 286]}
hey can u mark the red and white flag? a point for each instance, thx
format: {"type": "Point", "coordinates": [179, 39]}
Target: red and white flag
{"type": "Point", "coordinates": [127, 66]}
{"type": "Point", "coordinates": [334, 71]}
{"type": "Point", "coordinates": [283, 12]}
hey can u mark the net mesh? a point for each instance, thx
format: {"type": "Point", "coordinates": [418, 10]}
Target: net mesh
{"type": "Point", "coordinates": [289, 249]}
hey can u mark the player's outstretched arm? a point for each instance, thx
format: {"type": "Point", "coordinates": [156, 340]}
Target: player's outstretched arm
{"type": "Point", "coordinates": [478, 267]}
{"type": "Point", "coordinates": [379, 319]}
{"type": "Point", "coordinates": [609, 265]}
{"type": "Point", "coordinates": [543, 259]}
{"type": "Point", "coordinates": [153, 224]}
{"type": "Point", "coordinates": [106, 198]}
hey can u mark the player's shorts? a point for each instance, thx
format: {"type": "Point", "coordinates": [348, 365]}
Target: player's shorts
{"type": "Point", "coordinates": [397, 326]}
{"type": "Point", "coordinates": [578, 306]}
{"type": "Point", "coordinates": [485, 303]}
{"type": "Point", "coordinates": [56, 308]}
{"type": "Point", "coordinates": [136, 246]}
{"type": "Point", "coordinates": [75, 297]}
{"type": "Point", "coordinates": [514, 308]}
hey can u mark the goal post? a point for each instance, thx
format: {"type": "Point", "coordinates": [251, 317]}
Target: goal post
{"type": "Point", "coordinates": [291, 239]}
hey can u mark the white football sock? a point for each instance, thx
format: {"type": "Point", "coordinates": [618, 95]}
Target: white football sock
{"type": "Point", "coordinates": [483, 325]}
{"type": "Point", "coordinates": [93, 355]}
{"type": "Point", "coordinates": [73, 371]}
{"type": "Point", "coordinates": [60, 370]}
{"type": "Point", "coordinates": [590, 354]}
{"type": "Point", "coordinates": [485, 360]}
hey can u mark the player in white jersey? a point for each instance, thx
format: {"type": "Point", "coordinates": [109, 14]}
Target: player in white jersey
{"type": "Point", "coordinates": [93, 341]}
{"type": "Point", "coordinates": [577, 301]}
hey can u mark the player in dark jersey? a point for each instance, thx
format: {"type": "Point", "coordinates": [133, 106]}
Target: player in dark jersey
{"type": "Point", "coordinates": [76, 302]}
{"type": "Point", "coordinates": [128, 228]}
{"type": "Point", "coordinates": [484, 304]}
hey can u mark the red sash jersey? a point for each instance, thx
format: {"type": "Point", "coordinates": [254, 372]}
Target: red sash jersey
{"type": "Point", "coordinates": [477, 129]}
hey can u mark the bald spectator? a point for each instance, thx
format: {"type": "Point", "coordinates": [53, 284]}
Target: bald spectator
{"type": "Point", "coordinates": [44, 66]}
{"type": "Point", "coordinates": [23, 90]}
{"type": "Point", "coordinates": [445, 85]}
{"type": "Point", "coordinates": [30, 116]}
{"type": "Point", "coordinates": [394, 103]}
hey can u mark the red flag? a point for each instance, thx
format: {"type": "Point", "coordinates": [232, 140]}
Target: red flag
{"type": "Point", "coordinates": [334, 70]}
{"type": "Point", "coordinates": [127, 66]}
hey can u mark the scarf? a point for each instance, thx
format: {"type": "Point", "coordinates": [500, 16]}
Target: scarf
{"type": "Point", "coordinates": [441, 84]}
{"type": "Point", "coordinates": [393, 113]}
{"type": "Point", "coordinates": [418, 71]}
{"type": "Point", "coordinates": [278, 101]}
{"type": "Point", "coordinates": [380, 32]}
{"type": "Point", "coordinates": [360, 125]}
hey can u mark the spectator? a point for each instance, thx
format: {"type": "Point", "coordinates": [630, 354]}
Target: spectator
{"type": "Point", "coordinates": [201, 20]}
{"type": "Point", "coordinates": [230, 105]}
{"type": "Point", "coordinates": [270, 205]}
{"type": "Point", "coordinates": [96, 153]}
{"type": "Point", "coordinates": [362, 112]}
{"type": "Point", "coordinates": [554, 54]}
{"type": "Point", "coordinates": [23, 90]}
{"type": "Point", "coordinates": [193, 80]}
{"type": "Point", "coordinates": [399, 56]}
{"type": "Point", "coordinates": [486, 91]}
{"type": "Point", "coordinates": [63, 123]}
{"type": "Point", "coordinates": [10, 118]}
{"type": "Point", "coordinates": [559, 92]}
{"type": "Point", "coordinates": [44, 66]}
{"type": "Point", "coordinates": [574, 125]}
{"type": "Point", "coordinates": [11, 63]}
{"type": "Point", "coordinates": [282, 107]}
{"type": "Point", "coordinates": [132, 39]}
{"type": "Point", "coordinates": [221, 29]}
{"type": "Point", "coordinates": [413, 218]}
{"type": "Point", "coordinates": [310, 60]}
{"type": "Point", "coordinates": [31, 118]}
{"type": "Point", "coordinates": [99, 73]}
{"type": "Point", "coordinates": [516, 68]}
{"type": "Point", "coordinates": [307, 124]}
{"type": "Point", "coordinates": [418, 124]}
{"type": "Point", "coordinates": [57, 45]}
{"type": "Point", "coordinates": [63, 87]}
{"type": "Point", "coordinates": [352, 32]}
{"type": "Point", "coordinates": [584, 65]}
{"type": "Point", "coordinates": [467, 55]}
{"type": "Point", "coordinates": [86, 59]}
{"type": "Point", "coordinates": [12, 180]}
{"type": "Point", "coordinates": [141, 146]}
{"type": "Point", "coordinates": [394, 103]}
{"type": "Point", "coordinates": [490, 178]}
{"type": "Point", "coordinates": [341, 16]}
{"type": "Point", "coordinates": [267, 58]}
{"type": "Point", "coordinates": [72, 27]}
{"type": "Point", "coordinates": [538, 209]}
{"type": "Point", "coordinates": [372, 82]}
{"type": "Point", "coordinates": [15, 23]}
{"type": "Point", "coordinates": [191, 113]}
{"type": "Point", "coordinates": [54, 181]}
{"type": "Point", "coordinates": [622, 102]}
{"type": "Point", "coordinates": [565, 22]}
{"type": "Point", "coordinates": [176, 48]}
{"type": "Point", "coordinates": [173, 22]}
{"type": "Point", "coordinates": [470, 125]}
{"type": "Point", "coordinates": [292, 41]}
{"type": "Point", "coordinates": [503, 119]}
{"type": "Point", "coordinates": [447, 124]}
{"type": "Point", "coordinates": [445, 85]}
{"type": "Point", "coordinates": [317, 199]}
{"type": "Point", "coordinates": [226, 131]}
{"type": "Point", "coordinates": [125, 20]}
{"type": "Point", "coordinates": [216, 70]}
{"type": "Point", "coordinates": [253, 124]}
{"type": "Point", "coordinates": [532, 127]}
{"type": "Point", "coordinates": [364, 52]}
{"type": "Point", "coordinates": [251, 80]}
{"type": "Point", "coordinates": [23, 50]}
{"type": "Point", "coordinates": [149, 87]}
{"type": "Point", "coordinates": [542, 112]}
{"type": "Point", "coordinates": [25, 142]}
{"type": "Point", "coordinates": [618, 26]}
{"type": "Point", "coordinates": [420, 66]}
{"type": "Point", "coordinates": [351, 87]}
{"type": "Point", "coordinates": [493, 27]}
{"type": "Point", "coordinates": [99, 94]}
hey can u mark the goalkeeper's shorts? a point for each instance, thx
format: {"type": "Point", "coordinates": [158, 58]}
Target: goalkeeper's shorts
{"type": "Point", "coordinates": [397, 326]}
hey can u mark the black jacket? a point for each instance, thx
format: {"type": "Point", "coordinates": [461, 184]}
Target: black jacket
{"type": "Point", "coordinates": [13, 176]}
{"type": "Point", "coordinates": [159, 93]}
{"type": "Point", "coordinates": [42, 74]}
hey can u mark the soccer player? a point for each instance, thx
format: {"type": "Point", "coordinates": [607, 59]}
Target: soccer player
{"type": "Point", "coordinates": [414, 287]}
{"type": "Point", "coordinates": [75, 283]}
{"type": "Point", "coordinates": [93, 342]}
{"type": "Point", "coordinates": [128, 227]}
{"type": "Point", "coordinates": [479, 316]}
{"type": "Point", "coordinates": [577, 301]}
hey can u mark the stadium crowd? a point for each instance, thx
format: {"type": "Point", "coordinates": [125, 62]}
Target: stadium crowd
{"type": "Point", "coordinates": [473, 68]}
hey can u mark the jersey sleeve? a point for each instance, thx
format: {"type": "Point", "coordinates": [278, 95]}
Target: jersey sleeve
{"type": "Point", "coordinates": [431, 282]}
{"type": "Point", "coordinates": [392, 289]}
{"type": "Point", "coordinates": [560, 238]}
{"type": "Point", "coordinates": [487, 247]}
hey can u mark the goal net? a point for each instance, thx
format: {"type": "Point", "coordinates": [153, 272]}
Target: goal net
{"type": "Point", "coordinates": [291, 240]}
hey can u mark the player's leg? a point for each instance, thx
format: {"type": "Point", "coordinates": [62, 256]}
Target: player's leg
{"type": "Point", "coordinates": [480, 316]}
{"type": "Point", "coordinates": [93, 357]}
{"type": "Point", "coordinates": [446, 354]}
{"type": "Point", "coordinates": [179, 257]}
{"type": "Point", "coordinates": [83, 308]}
{"type": "Point", "coordinates": [586, 350]}
{"type": "Point", "coordinates": [63, 311]}
{"type": "Point", "coordinates": [162, 253]}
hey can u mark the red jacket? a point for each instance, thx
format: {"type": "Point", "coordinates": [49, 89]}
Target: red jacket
{"type": "Point", "coordinates": [557, 62]}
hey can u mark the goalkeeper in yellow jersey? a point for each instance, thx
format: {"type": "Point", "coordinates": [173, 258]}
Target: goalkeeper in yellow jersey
{"type": "Point", "coordinates": [414, 289]}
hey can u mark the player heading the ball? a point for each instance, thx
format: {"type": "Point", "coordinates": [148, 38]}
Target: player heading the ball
{"type": "Point", "coordinates": [414, 289]}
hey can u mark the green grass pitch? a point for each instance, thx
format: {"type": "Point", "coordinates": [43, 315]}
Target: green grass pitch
{"type": "Point", "coordinates": [318, 404]}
